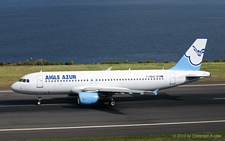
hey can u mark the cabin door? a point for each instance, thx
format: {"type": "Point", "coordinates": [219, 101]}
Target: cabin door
{"type": "Point", "coordinates": [39, 81]}
{"type": "Point", "coordinates": [172, 78]}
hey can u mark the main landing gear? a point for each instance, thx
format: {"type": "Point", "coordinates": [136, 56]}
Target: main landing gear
{"type": "Point", "coordinates": [39, 100]}
{"type": "Point", "coordinates": [112, 102]}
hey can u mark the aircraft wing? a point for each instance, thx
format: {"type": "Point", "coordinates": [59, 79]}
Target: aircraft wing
{"type": "Point", "coordinates": [105, 90]}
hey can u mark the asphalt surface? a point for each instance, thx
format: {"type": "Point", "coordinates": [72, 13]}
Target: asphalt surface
{"type": "Point", "coordinates": [197, 107]}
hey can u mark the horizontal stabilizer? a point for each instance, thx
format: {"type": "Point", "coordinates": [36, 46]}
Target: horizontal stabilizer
{"type": "Point", "coordinates": [200, 74]}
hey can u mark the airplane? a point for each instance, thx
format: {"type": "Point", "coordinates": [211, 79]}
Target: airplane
{"type": "Point", "coordinates": [93, 86]}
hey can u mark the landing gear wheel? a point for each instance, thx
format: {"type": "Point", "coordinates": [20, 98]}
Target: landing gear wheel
{"type": "Point", "coordinates": [39, 100]}
{"type": "Point", "coordinates": [112, 103]}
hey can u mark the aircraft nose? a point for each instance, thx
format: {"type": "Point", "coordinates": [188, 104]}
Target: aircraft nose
{"type": "Point", "coordinates": [15, 87]}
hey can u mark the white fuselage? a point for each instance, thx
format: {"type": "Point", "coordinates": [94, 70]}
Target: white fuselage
{"type": "Point", "coordinates": [143, 80]}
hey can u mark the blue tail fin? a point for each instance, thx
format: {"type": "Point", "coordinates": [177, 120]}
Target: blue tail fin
{"type": "Point", "coordinates": [192, 59]}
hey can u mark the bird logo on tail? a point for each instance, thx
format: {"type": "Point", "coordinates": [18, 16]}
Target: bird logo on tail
{"type": "Point", "coordinates": [199, 52]}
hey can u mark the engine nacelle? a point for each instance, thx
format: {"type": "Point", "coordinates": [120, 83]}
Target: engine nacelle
{"type": "Point", "coordinates": [86, 98]}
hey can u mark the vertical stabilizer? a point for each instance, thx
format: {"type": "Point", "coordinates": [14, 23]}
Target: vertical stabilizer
{"type": "Point", "coordinates": [192, 59]}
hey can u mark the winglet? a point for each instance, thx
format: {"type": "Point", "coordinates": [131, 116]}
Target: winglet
{"type": "Point", "coordinates": [155, 92]}
{"type": "Point", "coordinates": [192, 59]}
{"type": "Point", "coordinates": [109, 69]}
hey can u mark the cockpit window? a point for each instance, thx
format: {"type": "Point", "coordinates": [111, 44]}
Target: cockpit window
{"type": "Point", "coordinates": [24, 80]}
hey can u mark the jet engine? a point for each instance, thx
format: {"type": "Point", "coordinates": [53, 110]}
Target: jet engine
{"type": "Point", "coordinates": [86, 98]}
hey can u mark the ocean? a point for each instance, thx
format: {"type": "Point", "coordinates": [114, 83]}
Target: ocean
{"type": "Point", "coordinates": [94, 31]}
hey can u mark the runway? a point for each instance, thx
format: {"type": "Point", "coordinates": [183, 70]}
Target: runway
{"type": "Point", "coordinates": [196, 107]}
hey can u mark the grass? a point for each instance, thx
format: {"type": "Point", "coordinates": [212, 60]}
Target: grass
{"type": "Point", "coordinates": [10, 74]}
{"type": "Point", "coordinates": [206, 136]}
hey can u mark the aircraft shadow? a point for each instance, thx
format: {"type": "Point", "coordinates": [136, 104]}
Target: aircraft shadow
{"type": "Point", "coordinates": [70, 102]}
{"type": "Point", "coordinates": [150, 97]}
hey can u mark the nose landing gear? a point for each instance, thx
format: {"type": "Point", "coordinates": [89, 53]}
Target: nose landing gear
{"type": "Point", "coordinates": [39, 100]}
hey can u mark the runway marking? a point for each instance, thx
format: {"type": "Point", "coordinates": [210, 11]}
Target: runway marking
{"type": "Point", "coordinates": [34, 105]}
{"type": "Point", "coordinates": [6, 91]}
{"type": "Point", "coordinates": [204, 85]}
{"type": "Point", "coordinates": [8, 106]}
{"type": "Point", "coordinates": [219, 98]}
{"type": "Point", "coordinates": [111, 126]}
